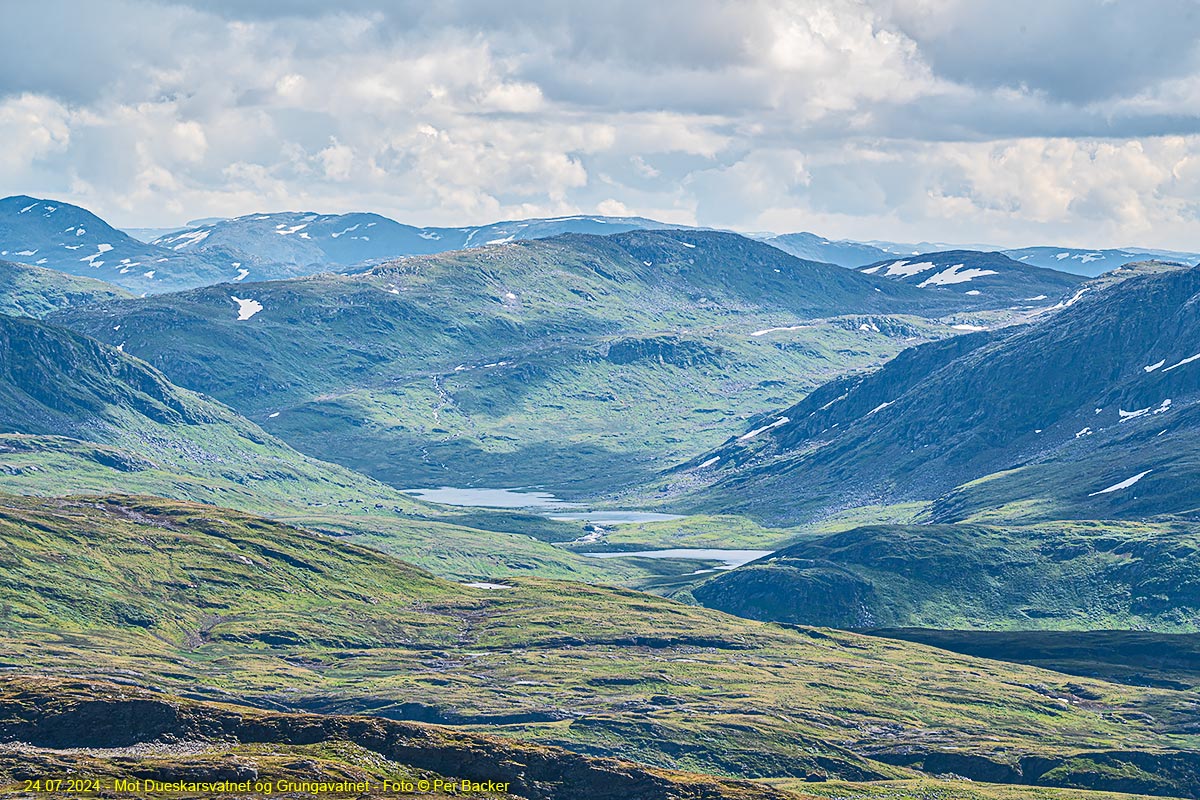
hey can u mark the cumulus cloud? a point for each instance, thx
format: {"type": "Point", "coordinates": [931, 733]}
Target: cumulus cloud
{"type": "Point", "coordinates": [1002, 120]}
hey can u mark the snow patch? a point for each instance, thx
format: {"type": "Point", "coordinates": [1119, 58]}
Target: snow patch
{"type": "Point", "coordinates": [747, 436]}
{"type": "Point", "coordinates": [709, 463]}
{"type": "Point", "coordinates": [1187, 360]}
{"type": "Point", "coordinates": [189, 239]}
{"type": "Point", "coordinates": [1125, 484]}
{"type": "Point", "coordinates": [765, 331]}
{"type": "Point", "coordinates": [246, 308]}
{"type": "Point", "coordinates": [1153, 367]}
{"type": "Point", "coordinates": [1074, 299]}
{"type": "Point", "coordinates": [242, 273]}
{"type": "Point", "coordinates": [952, 275]}
{"type": "Point", "coordinates": [903, 269]}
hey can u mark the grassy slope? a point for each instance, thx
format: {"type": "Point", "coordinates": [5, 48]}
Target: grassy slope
{"type": "Point", "coordinates": [426, 371]}
{"type": "Point", "coordinates": [1062, 575]}
{"type": "Point", "coordinates": [1139, 658]}
{"type": "Point", "coordinates": [35, 291]}
{"type": "Point", "coordinates": [102, 731]}
{"type": "Point", "coordinates": [221, 605]}
{"type": "Point", "coordinates": [121, 427]}
{"type": "Point", "coordinates": [224, 743]}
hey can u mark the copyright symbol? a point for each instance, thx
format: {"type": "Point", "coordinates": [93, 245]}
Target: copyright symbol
{"type": "Point", "coordinates": [423, 786]}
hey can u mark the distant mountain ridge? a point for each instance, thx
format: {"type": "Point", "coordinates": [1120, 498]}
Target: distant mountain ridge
{"type": "Point", "coordinates": [1095, 262]}
{"type": "Point", "coordinates": [265, 246]}
{"type": "Point", "coordinates": [61, 236]}
{"type": "Point", "coordinates": [307, 239]}
{"type": "Point", "coordinates": [844, 253]}
{"type": "Point", "coordinates": [986, 276]}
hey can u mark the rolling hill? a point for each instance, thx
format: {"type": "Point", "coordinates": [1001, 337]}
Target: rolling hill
{"type": "Point", "coordinates": [843, 252]}
{"type": "Point", "coordinates": [79, 417]}
{"type": "Point", "coordinates": [1060, 575]}
{"type": "Point", "coordinates": [27, 291]}
{"type": "Point", "coordinates": [221, 606]}
{"type": "Point", "coordinates": [559, 362]}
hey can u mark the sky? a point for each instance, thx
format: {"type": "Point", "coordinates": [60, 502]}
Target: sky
{"type": "Point", "coordinates": [1010, 122]}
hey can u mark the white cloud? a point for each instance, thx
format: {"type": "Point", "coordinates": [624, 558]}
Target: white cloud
{"type": "Point", "coordinates": [32, 128]}
{"type": "Point", "coordinates": [336, 160]}
{"type": "Point", "coordinates": [865, 118]}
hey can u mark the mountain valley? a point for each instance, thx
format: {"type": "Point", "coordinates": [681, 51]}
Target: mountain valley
{"type": "Point", "coordinates": [977, 513]}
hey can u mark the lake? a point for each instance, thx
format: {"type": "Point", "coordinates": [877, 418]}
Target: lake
{"type": "Point", "coordinates": [525, 499]}
{"type": "Point", "coordinates": [491, 498]}
{"type": "Point", "coordinates": [614, 517]}
{"type": "Point", "coordinates": [730, 558]}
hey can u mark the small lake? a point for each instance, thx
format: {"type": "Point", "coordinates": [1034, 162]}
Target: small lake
{"type": "Point", "coordinates": [614, 517]}
{"type": "Point", "coordinates": [730, 558]}
{"type": "Point", "coordinates": [534, 500]}
{"type": "Point", "coordinates": [491, 498]}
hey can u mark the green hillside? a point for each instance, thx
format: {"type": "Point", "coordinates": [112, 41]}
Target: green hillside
{"type": "Point", "coordinates": [1060, 575]}
{"type": "Point", "coordinates": [77, 417]}
{"type": "Point", "coordinates": [27, 291]}
{"type": "Point", "coordinates": [572, 363]}
{"type": "Point", "coordinates": [220, 605]}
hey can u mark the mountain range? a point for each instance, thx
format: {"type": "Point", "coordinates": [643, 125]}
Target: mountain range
{"type": "Point", "coordinates": [974, 474]}
{"type": "Point", "coordinates": [471, 367]}
{"type": "Point", "coordinates": [338, 241]}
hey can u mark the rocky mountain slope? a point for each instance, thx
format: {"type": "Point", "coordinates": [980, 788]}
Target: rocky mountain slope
{"type": "Point", "coordinates": [101, 733]}
{"type": "Point", "coordinates": [1098, 400]}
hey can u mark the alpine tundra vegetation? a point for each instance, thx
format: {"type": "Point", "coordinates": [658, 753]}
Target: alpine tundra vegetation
{"type": "Point", "coordinates": [632, 401]}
